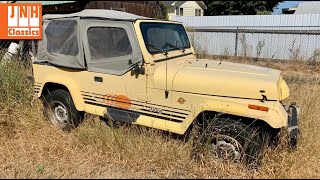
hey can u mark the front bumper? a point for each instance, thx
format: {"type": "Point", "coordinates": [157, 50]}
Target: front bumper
{"type": "Point", "coordinates": [293, 130]}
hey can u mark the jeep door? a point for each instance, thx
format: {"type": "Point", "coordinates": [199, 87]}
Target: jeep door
{"type": "Point", "coordinates": [111, 52]}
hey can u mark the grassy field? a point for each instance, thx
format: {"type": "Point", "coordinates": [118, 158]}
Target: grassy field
{"type": "Point", "coordinates": [31, 147]}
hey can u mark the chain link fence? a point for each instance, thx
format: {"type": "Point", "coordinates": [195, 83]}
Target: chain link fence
{"type": "Point", "coordinates": [285, 42]}
{"type": "Point", "coordinates": [24, 50]}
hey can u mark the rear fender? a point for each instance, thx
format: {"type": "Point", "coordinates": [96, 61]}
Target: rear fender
{"type": "Point", "coordinates": [73, 88]}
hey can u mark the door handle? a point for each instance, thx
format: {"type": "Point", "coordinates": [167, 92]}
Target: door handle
{"type": "Point", "coordinates": [98, 79]}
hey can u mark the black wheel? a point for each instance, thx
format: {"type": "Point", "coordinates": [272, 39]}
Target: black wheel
{"type": "Point", "coordinates": [61, 111]}
{"type": "Point", "coordinates": [229, 140]}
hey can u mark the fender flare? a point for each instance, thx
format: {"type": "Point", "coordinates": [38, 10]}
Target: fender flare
{"type": "Point", "coordinates": [74, 90]}
{"type": "Point", "coordinates": [276, 117]}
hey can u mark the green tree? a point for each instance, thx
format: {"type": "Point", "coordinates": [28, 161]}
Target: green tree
{"type": "Point", "coordinates": [239, 7]}
{"type": "Point", "coordinates": [163, 12]}
{"type": "Point", "coordinates": [264, 12]}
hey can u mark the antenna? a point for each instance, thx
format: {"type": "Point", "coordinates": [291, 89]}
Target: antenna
{"type": "Point", "coordinates": [166, 93]}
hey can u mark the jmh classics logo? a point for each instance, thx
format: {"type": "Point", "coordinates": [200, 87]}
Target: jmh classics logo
{"type": "Point", "coordinates": [24, 21]}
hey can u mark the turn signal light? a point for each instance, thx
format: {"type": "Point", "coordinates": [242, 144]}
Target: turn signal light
{"type": "Point", "coordinates": [259, 108]}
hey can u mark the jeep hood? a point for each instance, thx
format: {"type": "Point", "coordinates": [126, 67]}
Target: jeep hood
{"type": "Point", "coordinates": [225, 79]}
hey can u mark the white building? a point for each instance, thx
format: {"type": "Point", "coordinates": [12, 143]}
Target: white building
{"type": "Point", "coordinates": [185, 8]}
{"type": "Point", "coordinates": [308, 8]}
{"type": "Point", "coordinates": [312, 7]}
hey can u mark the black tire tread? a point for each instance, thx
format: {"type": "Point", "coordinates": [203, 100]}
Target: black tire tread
{"type": "Point", "coordinates": [75, 117]}
{"type": "Point", "coordinates": [244, 134]}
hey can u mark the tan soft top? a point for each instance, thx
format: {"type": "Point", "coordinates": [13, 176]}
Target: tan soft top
{"type": "Point", "coordinates": [98, 13]}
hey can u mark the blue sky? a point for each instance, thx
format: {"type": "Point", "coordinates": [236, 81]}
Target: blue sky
{"type": "Point", "coordinates": [285, 4]}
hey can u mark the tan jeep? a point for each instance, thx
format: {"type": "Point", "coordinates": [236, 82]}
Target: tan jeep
{"type": "Point", "coordinates": [144, 71]}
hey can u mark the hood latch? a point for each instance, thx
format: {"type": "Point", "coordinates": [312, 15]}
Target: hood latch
{"type": "Point", "coordinates": [264, 97]}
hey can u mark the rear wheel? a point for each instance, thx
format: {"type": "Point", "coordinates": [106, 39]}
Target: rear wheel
{"type": "Point", "coordinates": [61, 111]}
{"type": "Point", "coordinates": [229, 140]}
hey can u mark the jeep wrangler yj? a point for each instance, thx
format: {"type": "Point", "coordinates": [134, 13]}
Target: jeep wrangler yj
{"type": "Point", "coordinates": [144, 71]}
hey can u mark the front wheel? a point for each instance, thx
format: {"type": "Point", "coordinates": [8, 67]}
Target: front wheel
{"type": "Point", "coordinates": [61, 111]}
{"type": "Point", "coordinates": [229, 140]}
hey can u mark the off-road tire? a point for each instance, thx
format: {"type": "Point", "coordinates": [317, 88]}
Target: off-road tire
{"type": "Point", "coordinates": [250, 140]}
{"type": "Point", "coordinates": [62, 99]}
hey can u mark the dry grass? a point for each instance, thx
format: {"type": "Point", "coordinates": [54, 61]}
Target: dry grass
{"type": "Point", "coordinates": [31, 147]}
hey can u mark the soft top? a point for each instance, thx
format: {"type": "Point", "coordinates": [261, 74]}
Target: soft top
{"type": "Point", "coordinates": [98, 13]}
{"type": "Point", "coordinates": [109, 46]}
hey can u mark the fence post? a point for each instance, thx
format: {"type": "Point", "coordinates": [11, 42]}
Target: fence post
{"type": "Point", "coordinates": [236, 43]}
{"type": "Point", "coordinates": [33, 47]}
{"type": "Point", "coordinates": [21, 44]}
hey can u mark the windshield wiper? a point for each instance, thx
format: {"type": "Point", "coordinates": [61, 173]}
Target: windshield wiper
{"type": "Point", "coordinates": [180, 49]}
{"type": "Point", "coordinates": [160, 50]}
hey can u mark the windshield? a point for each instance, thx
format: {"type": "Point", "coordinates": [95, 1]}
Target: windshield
{"type": "Point", "coordinates": [164, 37]}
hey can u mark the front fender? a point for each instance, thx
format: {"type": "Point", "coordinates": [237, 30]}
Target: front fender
{"type": "Point", "coordinates": [276, 116]}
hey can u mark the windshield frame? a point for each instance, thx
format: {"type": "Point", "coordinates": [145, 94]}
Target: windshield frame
{"type": "Point", "coordinates": [163, 51]}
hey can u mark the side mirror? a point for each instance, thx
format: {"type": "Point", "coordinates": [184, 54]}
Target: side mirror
{"type": "Point", "coordinates": [137, 69]}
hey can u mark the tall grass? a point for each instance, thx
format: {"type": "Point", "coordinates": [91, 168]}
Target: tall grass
{"type": "Point", "coordinates": [30, 147]}
{"type": "Point", "coordinates": [16, 89]}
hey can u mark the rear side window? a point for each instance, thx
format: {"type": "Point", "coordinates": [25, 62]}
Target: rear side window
{"type": "Point", "coordinates": [108, 42]}
{"type": "Point", "coordinates": [62, 37]}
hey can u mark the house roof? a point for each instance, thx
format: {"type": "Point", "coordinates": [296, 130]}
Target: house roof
{"type": "Point", "coordinates": [172, 3]}
{"type": "Point", "coordinates": [167, 3]}
{"type": "Point", "coordinates": [308, 8]}
{"type": "Point", "coordinates": [288, 10]}
{"type": "Point", "coordinates": [98, 13]}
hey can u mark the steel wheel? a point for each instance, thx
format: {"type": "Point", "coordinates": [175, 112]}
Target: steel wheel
{"type": "Point", "coordinates": [61, 111]}
{"type": "Point", "coordinates": [228, 139]}
{"type": "Point", "coordinates": [59, 114]}
{"type": "Point", "coordinates": [227, 148]}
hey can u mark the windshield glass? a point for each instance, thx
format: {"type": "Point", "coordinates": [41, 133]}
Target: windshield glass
{"type": "Point", "coordinates": [164, 37]}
